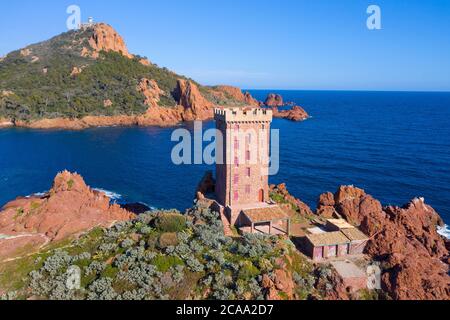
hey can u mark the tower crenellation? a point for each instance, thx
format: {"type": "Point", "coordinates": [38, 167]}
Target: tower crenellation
{"type": "Point", "coordinates": [243, 114]}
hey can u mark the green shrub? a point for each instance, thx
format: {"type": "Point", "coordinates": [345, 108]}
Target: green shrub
{"type": "Point", "coordinates": [152, 241]}
{"type": "Point", "coordinates": [278, 198]}
{"type": "Point", "coordinates": [170, 222]}
{"type": "Point", "coordinates": [248, 271]}
{"type": "Point", "coordinates": [367, 294]}
{"type": "Point", "coordinates": [164, 263]}
{"type": "Point", "coordinates": [110, 272]}
{"type": "Point", "coordinates": [19, 212]}
{"type": "Point", "coordinates": [168, 239]}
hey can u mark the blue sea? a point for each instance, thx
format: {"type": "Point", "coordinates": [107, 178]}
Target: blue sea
{"type": "Point", "coordinates": [395, 145]}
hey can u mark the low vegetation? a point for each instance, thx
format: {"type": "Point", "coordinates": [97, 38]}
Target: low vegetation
{"type": "Point", "coordinates": [160, 255]}
{"type": "Point", "coordinates": [40, 84]}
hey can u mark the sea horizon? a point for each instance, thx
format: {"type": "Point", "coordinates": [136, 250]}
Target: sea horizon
{"type": "Point", "coordinates": [345, 90]}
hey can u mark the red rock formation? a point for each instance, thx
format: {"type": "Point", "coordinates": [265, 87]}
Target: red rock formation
{"type": "Point", "coordinates": [236, 94]}
{"type": "Point", "coordinates": [85, 52]}
{"type": "Point", "coordinates": [274, 100]}
{"type": "Point", "coordinates": [107, 103]}
{"type": "Point", "coordinates": [75, 71]}
{"type": "Point", "coordinates": [154, 116]}
{"type": "Point", "coordinates": [6, 93]}
{"type": "Point", "coordinates": [192, 106]}
{"type": "Point", "coordinates": [196, 107]}
{"type": "Point", "coordinates": [232, 92]}
{"type": "Point", "coordinates": [151, 92]}
{"type": "Point", "coordinates": [78, 124]}
{"type": "Point", "coordinates": [338, 291]}
{"type": "Point", "coordinates": [283, 192]}
{"type": "Point", "coordinates": [145, 62]}
{"type": "Point", "coordinates": [325, 206]}
{"type": "Point", "coordinates": [105, 38]}
{"type": "Point", "coordinates": [413, 255]}
{"type": "Point", "coordinates": [327, 200]}
{"type": "Point", "coordinates": [161, 116]}
{"type": "Point", "coordinates": [355, 205]}
{"type": "Point", "coordinates": [249, 100]}
{"type": "Point", "coordinates": [294, 114]}
{"type": "Point", "coordinates": [4, 123]}
{"type": "Point", "coordinates": [69, 208]}
{"type": "Point", "coordinates": [280, 284]}
{"type": "Point", "coordinates": [25, 52]}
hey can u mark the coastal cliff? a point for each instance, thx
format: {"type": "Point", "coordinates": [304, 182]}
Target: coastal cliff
{"type": "Point", "coordinates": [156, 255]}
{"type": "Point", "coordinates": [88, 78]}
{"type": "Point", "coordinates": [188, 256]}
{"type": "Point", "coordinates": [70, 207]}
{"type": "Point", "coordinates": [404, 240]}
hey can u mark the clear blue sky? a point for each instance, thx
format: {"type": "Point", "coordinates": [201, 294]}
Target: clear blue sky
{"type": "Point", "coordinates": [283, 44]}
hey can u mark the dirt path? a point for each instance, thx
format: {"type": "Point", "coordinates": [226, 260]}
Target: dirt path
{"type": "Point", "coordinates": [47, 240]}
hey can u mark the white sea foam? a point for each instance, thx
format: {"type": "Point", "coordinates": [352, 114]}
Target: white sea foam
{"type": "Point", "coordinates": [37, 194]}
{"type": "Point", "coordinates": [110, 194]}
{"type": "Point", "coordinates": [444, 231]}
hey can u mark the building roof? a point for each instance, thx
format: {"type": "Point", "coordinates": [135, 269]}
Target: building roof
{"type": "Point", "coordinates": [354, 234]}
{"type": "Point", "coordinates": [267, 214]}
{"type": "Point", "coordinates": [327, 239]}
{"type": "Point", "coordinates": [340, 223]}
{"type": "Point", "coordinates": [316, 230]}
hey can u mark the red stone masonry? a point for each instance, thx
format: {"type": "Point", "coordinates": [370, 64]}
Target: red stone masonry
{"type": "Point", "coordinates": [242, 176]}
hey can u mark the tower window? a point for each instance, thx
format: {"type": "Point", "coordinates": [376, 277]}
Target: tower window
{"type": "Point", "coordinates": [236, 179]}
{"type": "Point", "coordinates": [236, 196]}
{"type": "Point", "coordinates": [248, 189]}
{"type": "Point", "coordinates": [248, 155]}
{"type": "Point", "coordinates": [249, 172]}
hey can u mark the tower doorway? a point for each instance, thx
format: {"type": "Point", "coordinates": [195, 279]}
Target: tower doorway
{"type": "Point", "coordinates": [261, 196]}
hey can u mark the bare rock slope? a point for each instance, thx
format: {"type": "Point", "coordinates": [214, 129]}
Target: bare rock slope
{"type": "Point", "coordinates": [69, 208]}
{"type": "Point", "coordinates": [404, 239]}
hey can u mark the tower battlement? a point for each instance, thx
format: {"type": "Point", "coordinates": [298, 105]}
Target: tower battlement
{"type": "Point", "coordinates": [243, 115]}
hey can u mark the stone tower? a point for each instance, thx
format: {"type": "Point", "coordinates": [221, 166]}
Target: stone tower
{"type": "Point", "coordinates": [242, 174]}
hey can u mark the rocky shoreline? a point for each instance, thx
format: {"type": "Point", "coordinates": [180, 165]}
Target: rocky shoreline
{"type": "Point", "coordinates": [162, 98]}
{"type": "Point", "coordinates": [4, 123]}
{"type": "Point", "coordinates": [404, 241]}
{"type": "Point", "coordinates": [69, 208]}
{"type": "Point", "coordinates": [192, 106]}
{"type": "Point", "coordinates": [154, 117]}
